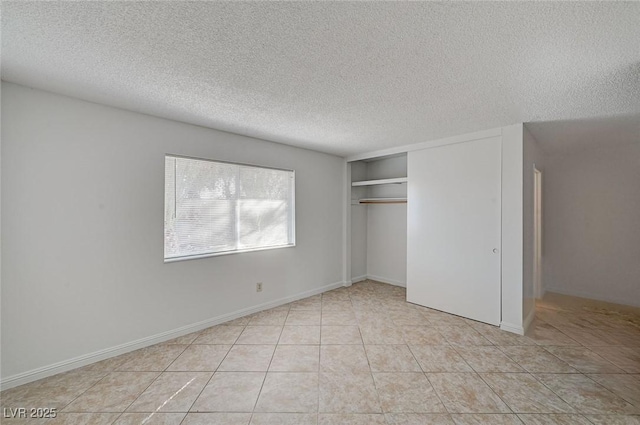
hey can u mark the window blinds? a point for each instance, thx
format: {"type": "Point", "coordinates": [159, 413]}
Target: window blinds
{"type": "Point", "coordinates": [216, 207]}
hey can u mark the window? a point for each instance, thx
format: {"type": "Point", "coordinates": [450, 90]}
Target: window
{"type": "Point", "coordinates": [214, 208]}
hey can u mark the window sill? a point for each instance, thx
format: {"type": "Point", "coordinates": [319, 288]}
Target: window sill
{"type": "Point", "coordinates": [218, 254]}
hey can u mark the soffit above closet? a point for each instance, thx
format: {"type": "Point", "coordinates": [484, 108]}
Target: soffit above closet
{"type": "Point", "coordinates": [338, 77]}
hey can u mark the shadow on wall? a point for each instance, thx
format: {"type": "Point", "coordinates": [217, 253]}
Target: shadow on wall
{"type": "Point", "coordinates": [569, 136]}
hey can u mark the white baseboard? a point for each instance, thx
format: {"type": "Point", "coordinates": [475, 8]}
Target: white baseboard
{"type": "Point", "coordinates": [387, 280]}
{"type": "Point", "coordinates": [597, 297]}
{"type": "Point", "coordinates": [84, 360]}
{"type": "Point", "coordinates": [358, 278]}
{"type": "Point", "coordinates": [512, 328]}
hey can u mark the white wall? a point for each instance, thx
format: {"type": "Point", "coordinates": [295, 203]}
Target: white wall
{"type": "Point", "coordinates": [532, 154]}
{"type": "Point", "coordinates": [387, 243]}
{"type": "Point", "coordinates": [512, 227]}
{"type": "Point", "coordinates": [358, 228]}
{"type": "Point", "coordinates": [387, 224]}
{"type": "Point", "coordinates": [82, 222]}
{"type": "Point", "coordinates": [592, 224]}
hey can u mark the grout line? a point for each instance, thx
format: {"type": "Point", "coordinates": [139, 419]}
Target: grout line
{"type": "Point", "coordinates": [209, 381]}
{"type": "Point", "coordinates": [82, 393]}
{"type": "Point", "coordinates": [156, 378]}
{"type": "Point", "coordinates": [493, 391]}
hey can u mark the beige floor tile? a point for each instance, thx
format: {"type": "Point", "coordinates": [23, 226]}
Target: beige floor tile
{"type": "Point", "coordinates": [466, 393]}
{"type": "Point", "coordinates": [591, 336]}
{"type": "Point", "coordinates": [303, 318]}
{"type": "Point", "coordinates": [268, 318]}
{"type": "Point", "coordinates": [148, 419]}
{"type": "Point", "coordinates": [407, 393]}
{"type": "Point", "coordinates": [348, 393]}
{"type": "Point", "coordinates": [247, 358]}
{"type": "Point", "coordinates": [462, 335]}
{"type": "Point", "coordinates": [200, 358]}
{"type": "Point", "coordinates": [337, 305]}
{"type": "Point", "coordinates": [386, 334]}
{"type": "Point", "coordinates": [260, 335]}
{"type": "Point", "coordinates": [546, 419]}
{"type": "Point", "coordinates": [415, 319]}
{"type": "Point", "coordinates": [289, 392]}
{"type": "Point", "coordinates": [614, 419]}
{"type": "Point", "coordinates": [340, 335]}
{"type": "Point", "coordinates": [524, 394]}
{"type": "Point", "coordinates": [338, 318]}
{"type": "Point", "coordinates": [626, 358]}
{"type": "Point", "coordinates": [336, 295]}
{"type": "Point", "coordinates": [350, 419]}
{"type": "Point", "coordinates": [284, 419]}
{"type": "Point", "coordinates": [502, 338]}
{"type": "Point", "coordinates": [592, 339]}
{"type": "Point", "coordinates": [418, 419]}
{"type": "Point", "coordinates": [300, 335]}
{"type": "Point", "coordinates": [585, 395]}
{"type": "Point", "coordinates": [628, 337]}
{"type": "Point", "coordinates": [583, 359]}
{"type": "Point", "coordinates": [439, 318]}
{"type": "Point", "coordinates": [230, 392]}
{"type": "Point", "coordinates": [487, 359]}
{"type": "Point", "coordinates": [54, 392]}
{"type": "Point", "coordinates": [216, 419]}
{"type": "Point", "coordinates": [221, 335]}
{"type": "Point", "coordinates": [486, 419]}
{"type": "Point", "coordinates": [435, 358]}
{"type": "Point", "coordinates": [310, 303]}
{"type": "Point", "coordinates": [151, 359]}
{"type": "Point", "coordinates": [83, 418]}
{"type": "Point", "coordinates": [625, 386]}
{"type": "Point", "coordinates": [296, 358]}
{"type": "Point", "coordinates": [21, 421]}
{"type": "Point", "coordinates": [391, 358]}
{"type": "Point", "coordinates": [114, 393]}
{"type": "Point", "coordinates": [535, 359]}
{"type": "Point", "coordinates": [343, 358]}
{"type": "Point", "coordinates": [171, 392]}
{"type": "Point", "coordinates": [422, 335]}
{"type": "Point", "coordinates": [372, 319]}
{"type": "Point", "coordinates": [545, 334]}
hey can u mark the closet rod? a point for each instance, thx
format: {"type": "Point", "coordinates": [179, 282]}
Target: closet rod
{"type": "Point", "coordinates": [382, 201]}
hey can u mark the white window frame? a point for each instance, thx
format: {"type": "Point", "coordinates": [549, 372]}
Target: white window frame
{"type": "Point", "coordinates": [291, 221]}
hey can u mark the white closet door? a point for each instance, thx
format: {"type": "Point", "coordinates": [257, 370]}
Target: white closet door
{"type": "Point", "coordinates": [453, 224]}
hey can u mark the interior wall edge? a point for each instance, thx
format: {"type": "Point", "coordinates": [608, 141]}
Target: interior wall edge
{"type": "Point", "coordinates": [84, 360]}
{"type": "Point", "coordinates": [528, 320]}
{"type": "Point", "coordinates": [512, 228]}
{"type": "Point", "coordinates": [510, 327]}
{"type": "Point", "coordinates": [357, 279]}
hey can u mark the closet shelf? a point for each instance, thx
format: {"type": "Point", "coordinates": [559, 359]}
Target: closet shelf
{"type": "Point", "coordinates": [381, 181]}
{"type": "Point", "coordinates": [382, 201]}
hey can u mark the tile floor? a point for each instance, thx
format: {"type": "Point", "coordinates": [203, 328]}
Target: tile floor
{"type": "Point", "coordinates": [362, 355]}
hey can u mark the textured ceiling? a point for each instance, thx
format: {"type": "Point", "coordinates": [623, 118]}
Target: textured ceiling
{"type": "Point", "coordinates": [342, 78]}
